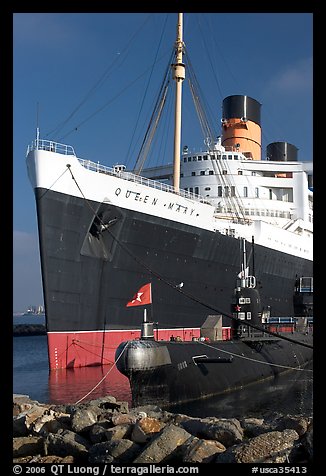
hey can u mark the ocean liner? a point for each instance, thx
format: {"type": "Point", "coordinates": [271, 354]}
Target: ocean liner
{"type": "Point", "coordinates": [105, 231]}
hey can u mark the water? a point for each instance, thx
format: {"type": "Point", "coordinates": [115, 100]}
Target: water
{"type": "Point", "coordinates": [29, 319]}
{"type": "Point", "coordinates": [291, 393]}
{"type": "Point", "coordinates": [31, 376]}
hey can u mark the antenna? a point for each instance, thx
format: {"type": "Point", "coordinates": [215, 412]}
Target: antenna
{"type": "Point", "coordinates": [37, 127]}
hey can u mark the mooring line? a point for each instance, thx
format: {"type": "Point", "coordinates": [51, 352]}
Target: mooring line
{"type": "Point", "coordinates": [103, 378]}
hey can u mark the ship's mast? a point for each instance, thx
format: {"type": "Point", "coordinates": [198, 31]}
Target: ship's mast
{"type": "Point", "coordinates": [178, 73]}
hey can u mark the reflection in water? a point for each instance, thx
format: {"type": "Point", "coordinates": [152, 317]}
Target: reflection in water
{"type": "Point", "coordinates": [291, 394]}
{"type": "Point", "coordinates": [288, 394]}
{"type": "Point", "coordinates": [71, 385]}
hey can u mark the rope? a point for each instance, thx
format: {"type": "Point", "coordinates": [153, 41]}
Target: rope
{"type": "Point", "coordinates": [255, 360]}
{"type": "Point", "coordinates": [46, 191]}
{"type": "Point", "coordinates": [161, 278]}
{"type": "Point", "coordinates": [103, 378]}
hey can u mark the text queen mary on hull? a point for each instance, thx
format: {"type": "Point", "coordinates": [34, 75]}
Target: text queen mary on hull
{"type": "Point", "coordinates": [104, 232]}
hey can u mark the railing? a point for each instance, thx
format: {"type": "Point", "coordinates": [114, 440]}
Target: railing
{"type": "Point", "coordinates": [97, 167]}
{"type": "Point", "coordinates": [40, 144]}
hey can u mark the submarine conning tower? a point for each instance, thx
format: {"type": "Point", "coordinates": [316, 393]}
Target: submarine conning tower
{"type": "Point", "coordinates": [241, 125]}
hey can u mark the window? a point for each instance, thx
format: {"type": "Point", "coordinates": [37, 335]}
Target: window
{"type": "Point", "coordinates": [194, 159]}
{"type": "Point", "coordinates": [245, 192]}
{"type": "Point", "coordinates": [205, 157]}
{"type": "Point", "coordinates": [202, 172]}
{"type": "Point", "coordinates": [185, 159]}
{"type": "Point", "coordinates": [226, 191]}
{"type": "Point", "coordinates": [197, 190]}
{"type": "Point", "coordinates": [189, 159]}
{"type": "Point", "coordinates": [200, 157]}
{"type": "Point", "coordinates": [219, 191]}
{"type": "Point", "coordinates": [207, 188]}
{"type": "Point", "coordinates": [232, 191]}
{"type": "Point", "coordinates": [239, 172]}
{"type": "Point", "coordinates": [211, 172]}
{"type": "Point", "coordinates": [257, 192]}
{"type": "Point", "coordinates": [224, 157]}
{"type": "Point", "coordinates": [193, 174]}
{"type": "Point", "coordinates": [236, 157]}
{"type": "Point", "coordinates": [230, 157]}
{"type": "Point", "coordinates": [224, 172]}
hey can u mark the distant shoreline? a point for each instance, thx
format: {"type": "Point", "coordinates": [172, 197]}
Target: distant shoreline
{"type": "Point", "coordinates": [28, 330]}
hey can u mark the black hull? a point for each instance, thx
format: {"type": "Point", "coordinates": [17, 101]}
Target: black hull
{"type": "Point", "coordinates": [88, 277]}
{"type": "Point", "coordinates": [170, 373]}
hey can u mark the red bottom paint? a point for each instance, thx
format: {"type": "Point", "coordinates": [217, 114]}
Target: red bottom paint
{"type": "Point", "coordinates": [69, 386]}
{"type": "Point", "coordinates": [83, 349]}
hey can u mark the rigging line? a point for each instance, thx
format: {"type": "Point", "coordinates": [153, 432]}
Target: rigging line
{"type": "Point", "coordinates": [210, 131]}
{"type": "Point", "coordinates": [106, 104]}
{"type": "Point", "coordinates": [77, 345]}
{"type": "Point", "coordinates": [48, 189]}
{"type": "Point", "coordinates": [156, 114]}
{"type": "Point", "coordinates": [147, 86]}
{"type": "Point", "coordinates": [234, 203]}
{"type": "Point", "coordinates": [151, 132]}
{"type": "Point", "coordinates": [255, 360]}
{"type": "Point", "coordinates": [206, 49]}
{"type": "Point", "coordinates": [102, 79]}
{"type": "Point", "coordinates": [173, 286]}
{"type": "Point", "coordinates": [103, 378]}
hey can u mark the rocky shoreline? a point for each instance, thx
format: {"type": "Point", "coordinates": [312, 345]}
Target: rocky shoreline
{"type": "Point", "coordinates": [29, 330]}
{"type": "Point", "coordinates": [107, 431]}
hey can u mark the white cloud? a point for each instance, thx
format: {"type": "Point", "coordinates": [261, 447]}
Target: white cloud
{"type": "Point", "coordinates": [294, 79]}
{"type": "Point", "coordinates": [48, 30]}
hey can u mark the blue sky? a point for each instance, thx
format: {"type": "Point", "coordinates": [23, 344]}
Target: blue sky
{"type": "Point", "coordinates": [91, 79]}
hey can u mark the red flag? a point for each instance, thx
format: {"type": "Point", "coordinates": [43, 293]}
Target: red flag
{"type": "Point", "coordinates": [142, 297]}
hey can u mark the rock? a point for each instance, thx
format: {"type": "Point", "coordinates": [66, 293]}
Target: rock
{"type": "Point", "coordinates": [226, 431]}
{"type": "Point", "coordinates": [67, 443]}
{"type": "Point", "coordinates": [22, 403]}
{"type": "Point", "coordinates": [83, 418]}
{"type": "Point", "coordinates": [272, 447]}
{"type": "Point", "coordinates": [19, 425]}
{"type": "Point", "coordinates": [109, 404]}
{"type": "Point", "coordinates": [145, 428]}
{"type": "Point", "coordinates": [104, 402]}
{"type": "Point", "coordinates": [23, 422]}
{"type": "Point", "coordinates": [124, 419]}
{"type": "Point", "coordinates": [255, 426]}
{"type": "Point", "coordinates": [98, 430]}
{"type": "Point", "coordinates": [307, 442]}
{"type": "Point", "coordinates": [118, 432]}
{"type": "Point", "coordinates": [50, 423]}
{"type": "Point", "coordinates": [50, 460]}
{"type": "Point", "coordinates": [104, 431]}
{"type": "Point", "coordinates": [164, 446]}
{"type": "Point", "coordinates": [117, 451]}
{"type": "Point", "coordinates": [297, 423]}
{"type": "Point", "coordinates": [202, 451]}
{"type": "Point", "coordinates": [28, 446]}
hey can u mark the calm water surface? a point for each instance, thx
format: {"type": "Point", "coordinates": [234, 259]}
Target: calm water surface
{"type": "Point", "coordinates": [288, 394]}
